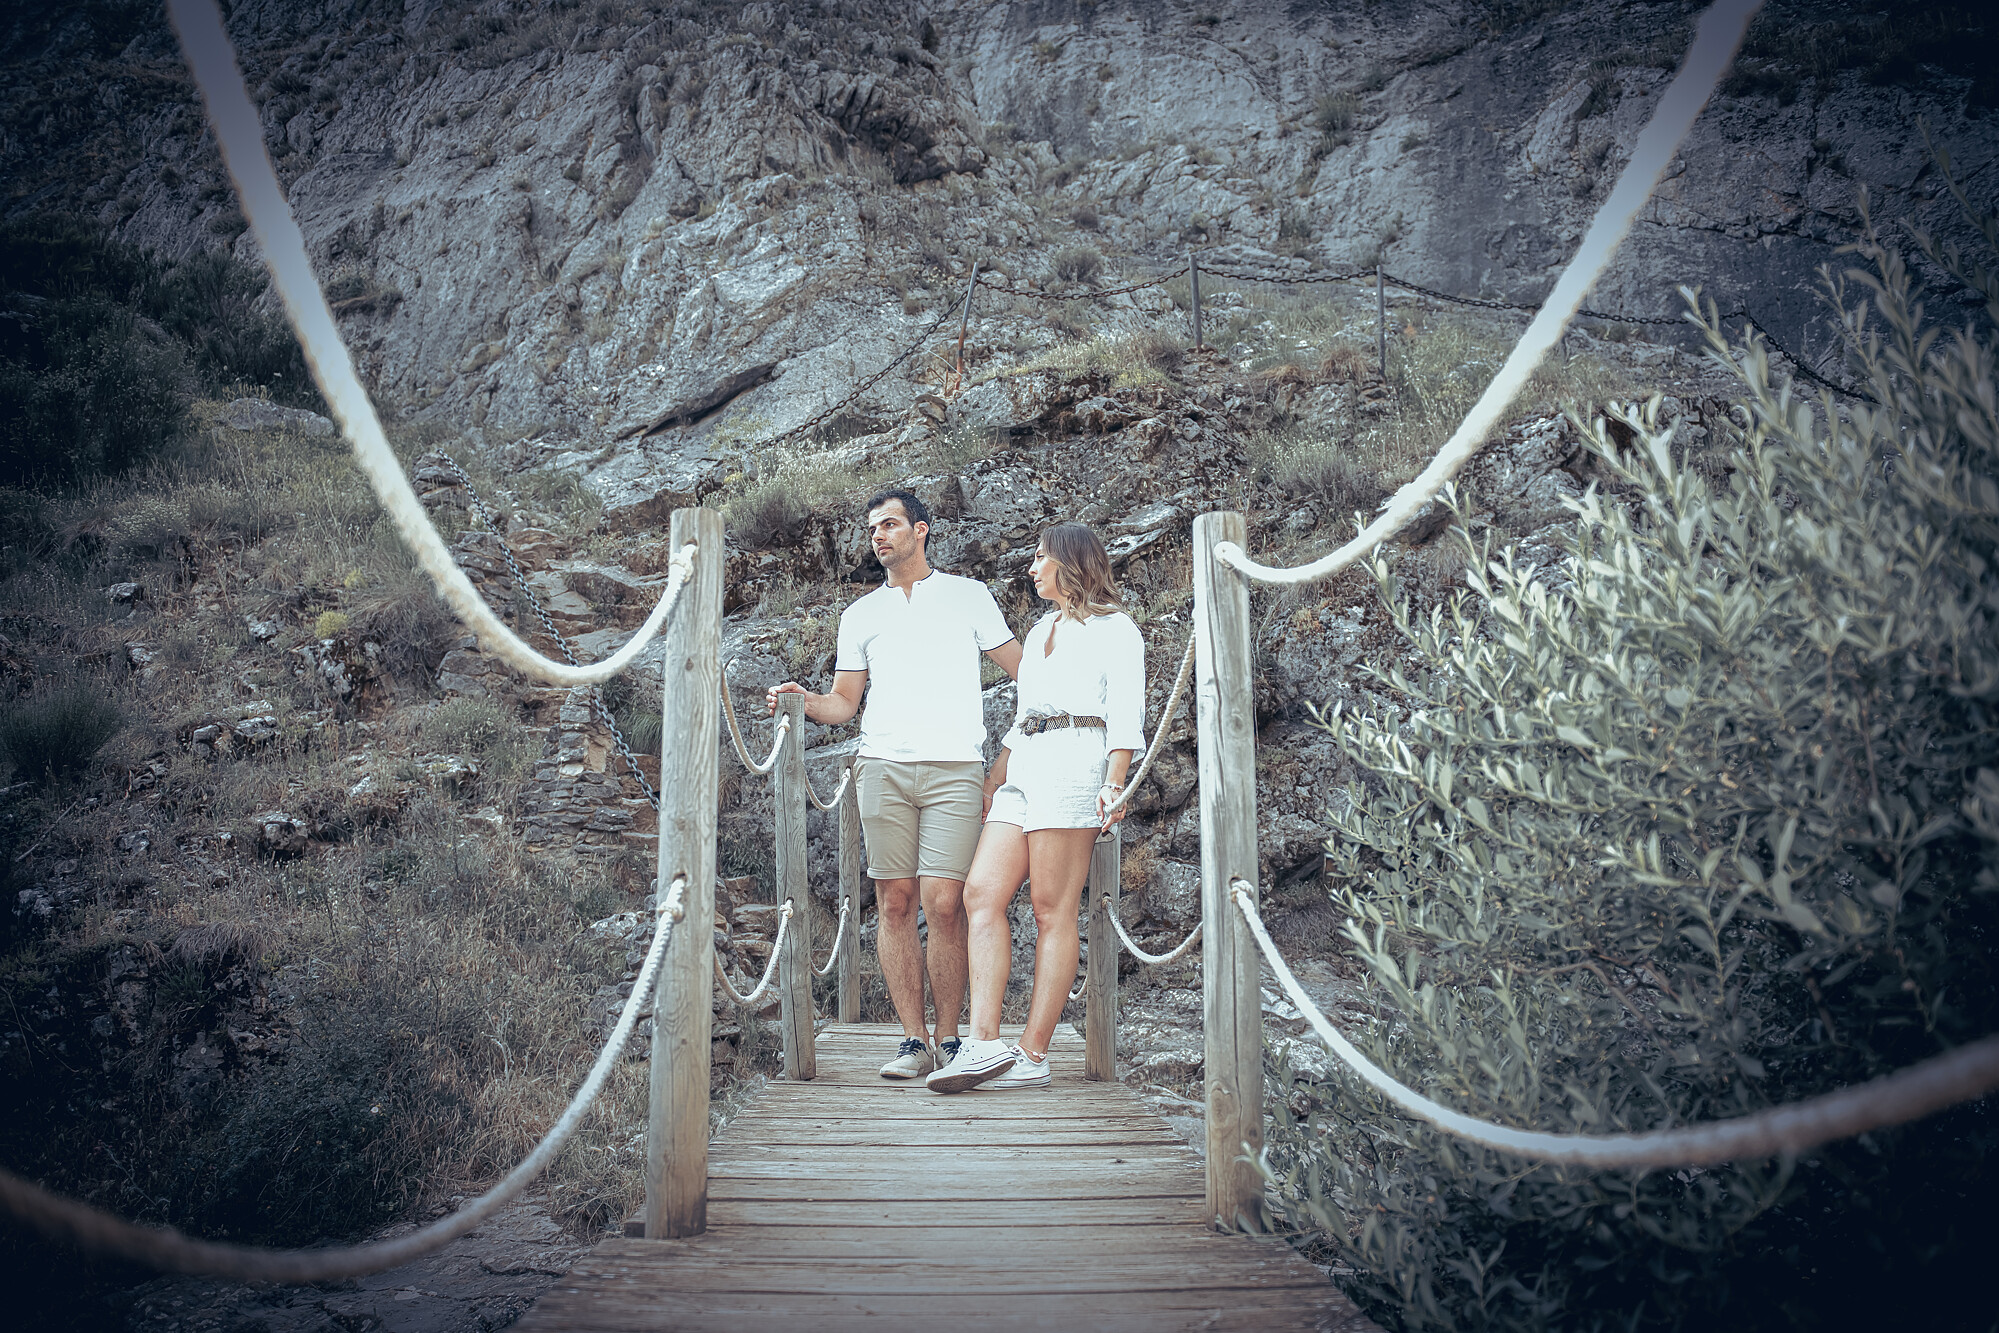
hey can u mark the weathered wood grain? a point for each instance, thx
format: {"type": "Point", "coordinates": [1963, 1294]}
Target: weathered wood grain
{"type": "Point", "coordinates": [794, 966]}
{"type": "Point", "coordinates": [854, 1201]}
{"type": "Point", "coordinates": [1231, 970]}
{"type": "Point", "coordinates": [690, 758]}
{"type": "Point", "coordinates": [1100, 994]}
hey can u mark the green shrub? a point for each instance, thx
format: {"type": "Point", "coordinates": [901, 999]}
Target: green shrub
{"type": "Point", "coordinates": [104, 347]}
{"type": "Point", "coordinates": [1699, 822]}
{"type": "Point", "coordinates": [56, 735]}
{"type": "Point", "coordinates": [467, 726]}
{"type": "Point", "coordinates": [89, 391]}
{"type": "Point", "coordinates": [1076, 263]}
{"type": "Point", "coordinates": [767, 513]}
{"type": "Point", "coordinates": [1324, 470]}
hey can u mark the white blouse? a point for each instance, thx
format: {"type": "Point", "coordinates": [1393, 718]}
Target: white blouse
{"type": "Point", "coordinates": [1096, 670]}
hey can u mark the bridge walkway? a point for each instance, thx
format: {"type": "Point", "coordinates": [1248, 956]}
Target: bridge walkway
{"type": "Point", "coordinates": [852, 1200]}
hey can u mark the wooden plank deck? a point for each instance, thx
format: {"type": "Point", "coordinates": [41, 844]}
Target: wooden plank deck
{"type": "Point", "coordinates": [853, 1201]}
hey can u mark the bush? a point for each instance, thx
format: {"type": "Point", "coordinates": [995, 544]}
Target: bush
{"type": "Point", "coordinates": [56, 735]}
{"type": "Point", "coordinates": [1076, 263]}
{"type": "Point", "coordinates": [1321, 470]}
{"type": "Point", "coordinates": [1700, 822]}
{"type": "Point", "coordinates": [467, 726]}
{"type": "Point", "coordinates": [104, 347]}
{"type": "Point", "coordinates": [93, 392]}
{"type": "Point", "coordinates": [768, 513]}
{"type": "Point", "coordinates": [1335, 114]}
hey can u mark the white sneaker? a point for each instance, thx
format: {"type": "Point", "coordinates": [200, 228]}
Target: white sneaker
{"type": "Point", "coordinates": [1027, 1072]}
{"type": "Point", "coordinates": [913, 1059]}
{"type": "Point", "coordinates": [976, 1062]}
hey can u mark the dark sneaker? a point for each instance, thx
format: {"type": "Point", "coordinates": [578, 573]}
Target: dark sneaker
{"type": "Point", "coordinates": [975, 1064]}
{"type": "Point", "coordinates": [912, 1060]}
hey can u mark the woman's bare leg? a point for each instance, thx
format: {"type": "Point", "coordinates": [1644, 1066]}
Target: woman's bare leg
{"type": "Point", "coordinates": [1058, 866]}
{"type": "Point", "coordinates": [997, 870]}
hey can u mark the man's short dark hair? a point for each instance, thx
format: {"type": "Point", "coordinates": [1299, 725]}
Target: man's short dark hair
{"type": "Point", "coordinates": [915, 509]}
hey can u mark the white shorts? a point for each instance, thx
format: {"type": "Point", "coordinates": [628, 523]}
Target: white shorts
{"type": "Point", "coordinates": [1052, 781]}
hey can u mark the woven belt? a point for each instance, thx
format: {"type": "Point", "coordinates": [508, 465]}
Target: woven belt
{"type": "Point", "coordinates": [1034, 726]}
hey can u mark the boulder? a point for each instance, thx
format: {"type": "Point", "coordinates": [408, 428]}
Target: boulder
{"type": "Point", "coordinates": [258, 414]}
{"type": "Point", "coordinates": [280, 834]}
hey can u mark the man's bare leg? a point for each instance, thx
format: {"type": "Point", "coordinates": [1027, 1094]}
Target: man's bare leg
{"type": "Point", "coordinates": [944, 912]}
{"type": "Point", "coordinates": [901, 953]}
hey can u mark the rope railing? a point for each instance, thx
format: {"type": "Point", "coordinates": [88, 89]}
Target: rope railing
{"type": "Point", "coordinates": [770, 967]}
{"type": "Point", "coordinates": [1166, 715]}
{"type": "Point", "coordinates": [1716, 39]}
{"type": "Point", "coordinates": [839, 935]}
{"type": "Point", "coordinates": [736, 734]}
{"type": "Point", "coordinates": [839, 793]}
{"type": "Point", "coordinates": [1155, 959]}
{"type": "Point", "coordinates": [68, 1221]}
{"type": "Point", "coordinates": [1961, 1075]}
{"type": "Point", "coordinates": [238, 133]}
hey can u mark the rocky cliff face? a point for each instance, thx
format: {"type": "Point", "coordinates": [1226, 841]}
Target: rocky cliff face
{"type": "Point", "coordinates": [639, 236]}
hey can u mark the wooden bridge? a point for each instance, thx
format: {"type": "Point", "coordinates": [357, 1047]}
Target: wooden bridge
{"type": "Point", "coordinates": [852, 1200]}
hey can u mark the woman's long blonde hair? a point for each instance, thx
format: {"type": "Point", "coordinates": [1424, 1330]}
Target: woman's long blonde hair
{"type": "Point", "coordinates": [1082, 570]}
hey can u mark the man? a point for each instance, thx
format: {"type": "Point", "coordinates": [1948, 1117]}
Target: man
{"type": "Point", "coordinates": [920, 776]}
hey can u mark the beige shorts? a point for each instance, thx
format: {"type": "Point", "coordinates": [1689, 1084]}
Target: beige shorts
{"type": "Point", "coordinates": [919, 819]}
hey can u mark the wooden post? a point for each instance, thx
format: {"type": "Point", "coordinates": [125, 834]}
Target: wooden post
{"type": "Point", "coordinates": [690, 770]}
{"type": "Point", "coordinates": [965, 320]}
{"type": "Point", "coordinates": [1194, 288]}
{"type": "Point", "coordinates": [851, 867]}
{"type": "Point", "coordinates": [1100, 996]}
{"type": "Point", "coordinates": [1380, 322]}
{"type": "Point", "coordinates": [1231, 970]}
{"type": "Point", "coordinates": [794, 968]}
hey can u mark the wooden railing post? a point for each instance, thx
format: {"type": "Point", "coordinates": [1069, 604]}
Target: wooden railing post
{"type": "Point", "coordinates": [794, 968]}
{"type": "Point", "coordinates": [1100, 991]}
{"type": "Point", "coordinates": [851, 867]}
{"type": "Point", "coordinates": [1231, 970]}
{"type": "Point", "coordinates": [690, 775]}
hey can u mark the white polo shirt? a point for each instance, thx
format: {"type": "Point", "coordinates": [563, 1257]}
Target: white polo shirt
{"type": "Point", "coordinates": [921, 653]}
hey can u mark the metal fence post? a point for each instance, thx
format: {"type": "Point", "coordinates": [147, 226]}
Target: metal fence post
{"type": "Point", "coordinates": [850, 892]}
{"type": "Point", "coordinates": [690, 770]}
{"type": "Point", "coordinates": [965, 320]}
{"type": "Point", "coordinates": [794, 967]}
{"type": "Point", "coordinates": [1194, 289]}
{"type": "Point", "coordinates": [1100, 979]}
{"type": "Point", "coordinates": [1380, 323]}
{"type": "Point", "coordinates": [1231, 969]}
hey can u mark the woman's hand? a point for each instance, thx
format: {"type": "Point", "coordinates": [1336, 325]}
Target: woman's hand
{"type": "Point", "coordinates": [986, 804]}
{"type": "Point", "coordinates": [1106, 796]}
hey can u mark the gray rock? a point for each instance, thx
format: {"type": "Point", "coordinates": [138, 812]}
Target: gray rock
{"type": "Point", "coordinates": [259, 414]}
{"type": "Point", "coordinates": [125, 594]}
{"type": "Point", "coordinates": [281, 834]}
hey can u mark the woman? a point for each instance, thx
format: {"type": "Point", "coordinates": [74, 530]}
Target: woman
{"type": "Point", "coordinates": [1080, 719]}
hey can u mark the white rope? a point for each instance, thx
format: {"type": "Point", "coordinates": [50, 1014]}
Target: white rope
{"type": "Point", "coordinates": [1159, 732]}
{"type": "Point", "coordinates": [1908, 1094]}
{"type": "Point", "coordinates": [237, 132]}
{"type": "Point", "coordinates": [839, 792]}
{"type": "Point", "coordinates": [1141, 955]}
{"type": "Point", "coordinates": [839, 936]}
{"type": "Point", "coordinates": [1714, 46]}
{"type": "Point", "coordinates": [736, 733]}
{"type": "Point", "coordinates": [770, 968]}
{"type": "Point", "coordinates": [164, 1248]}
